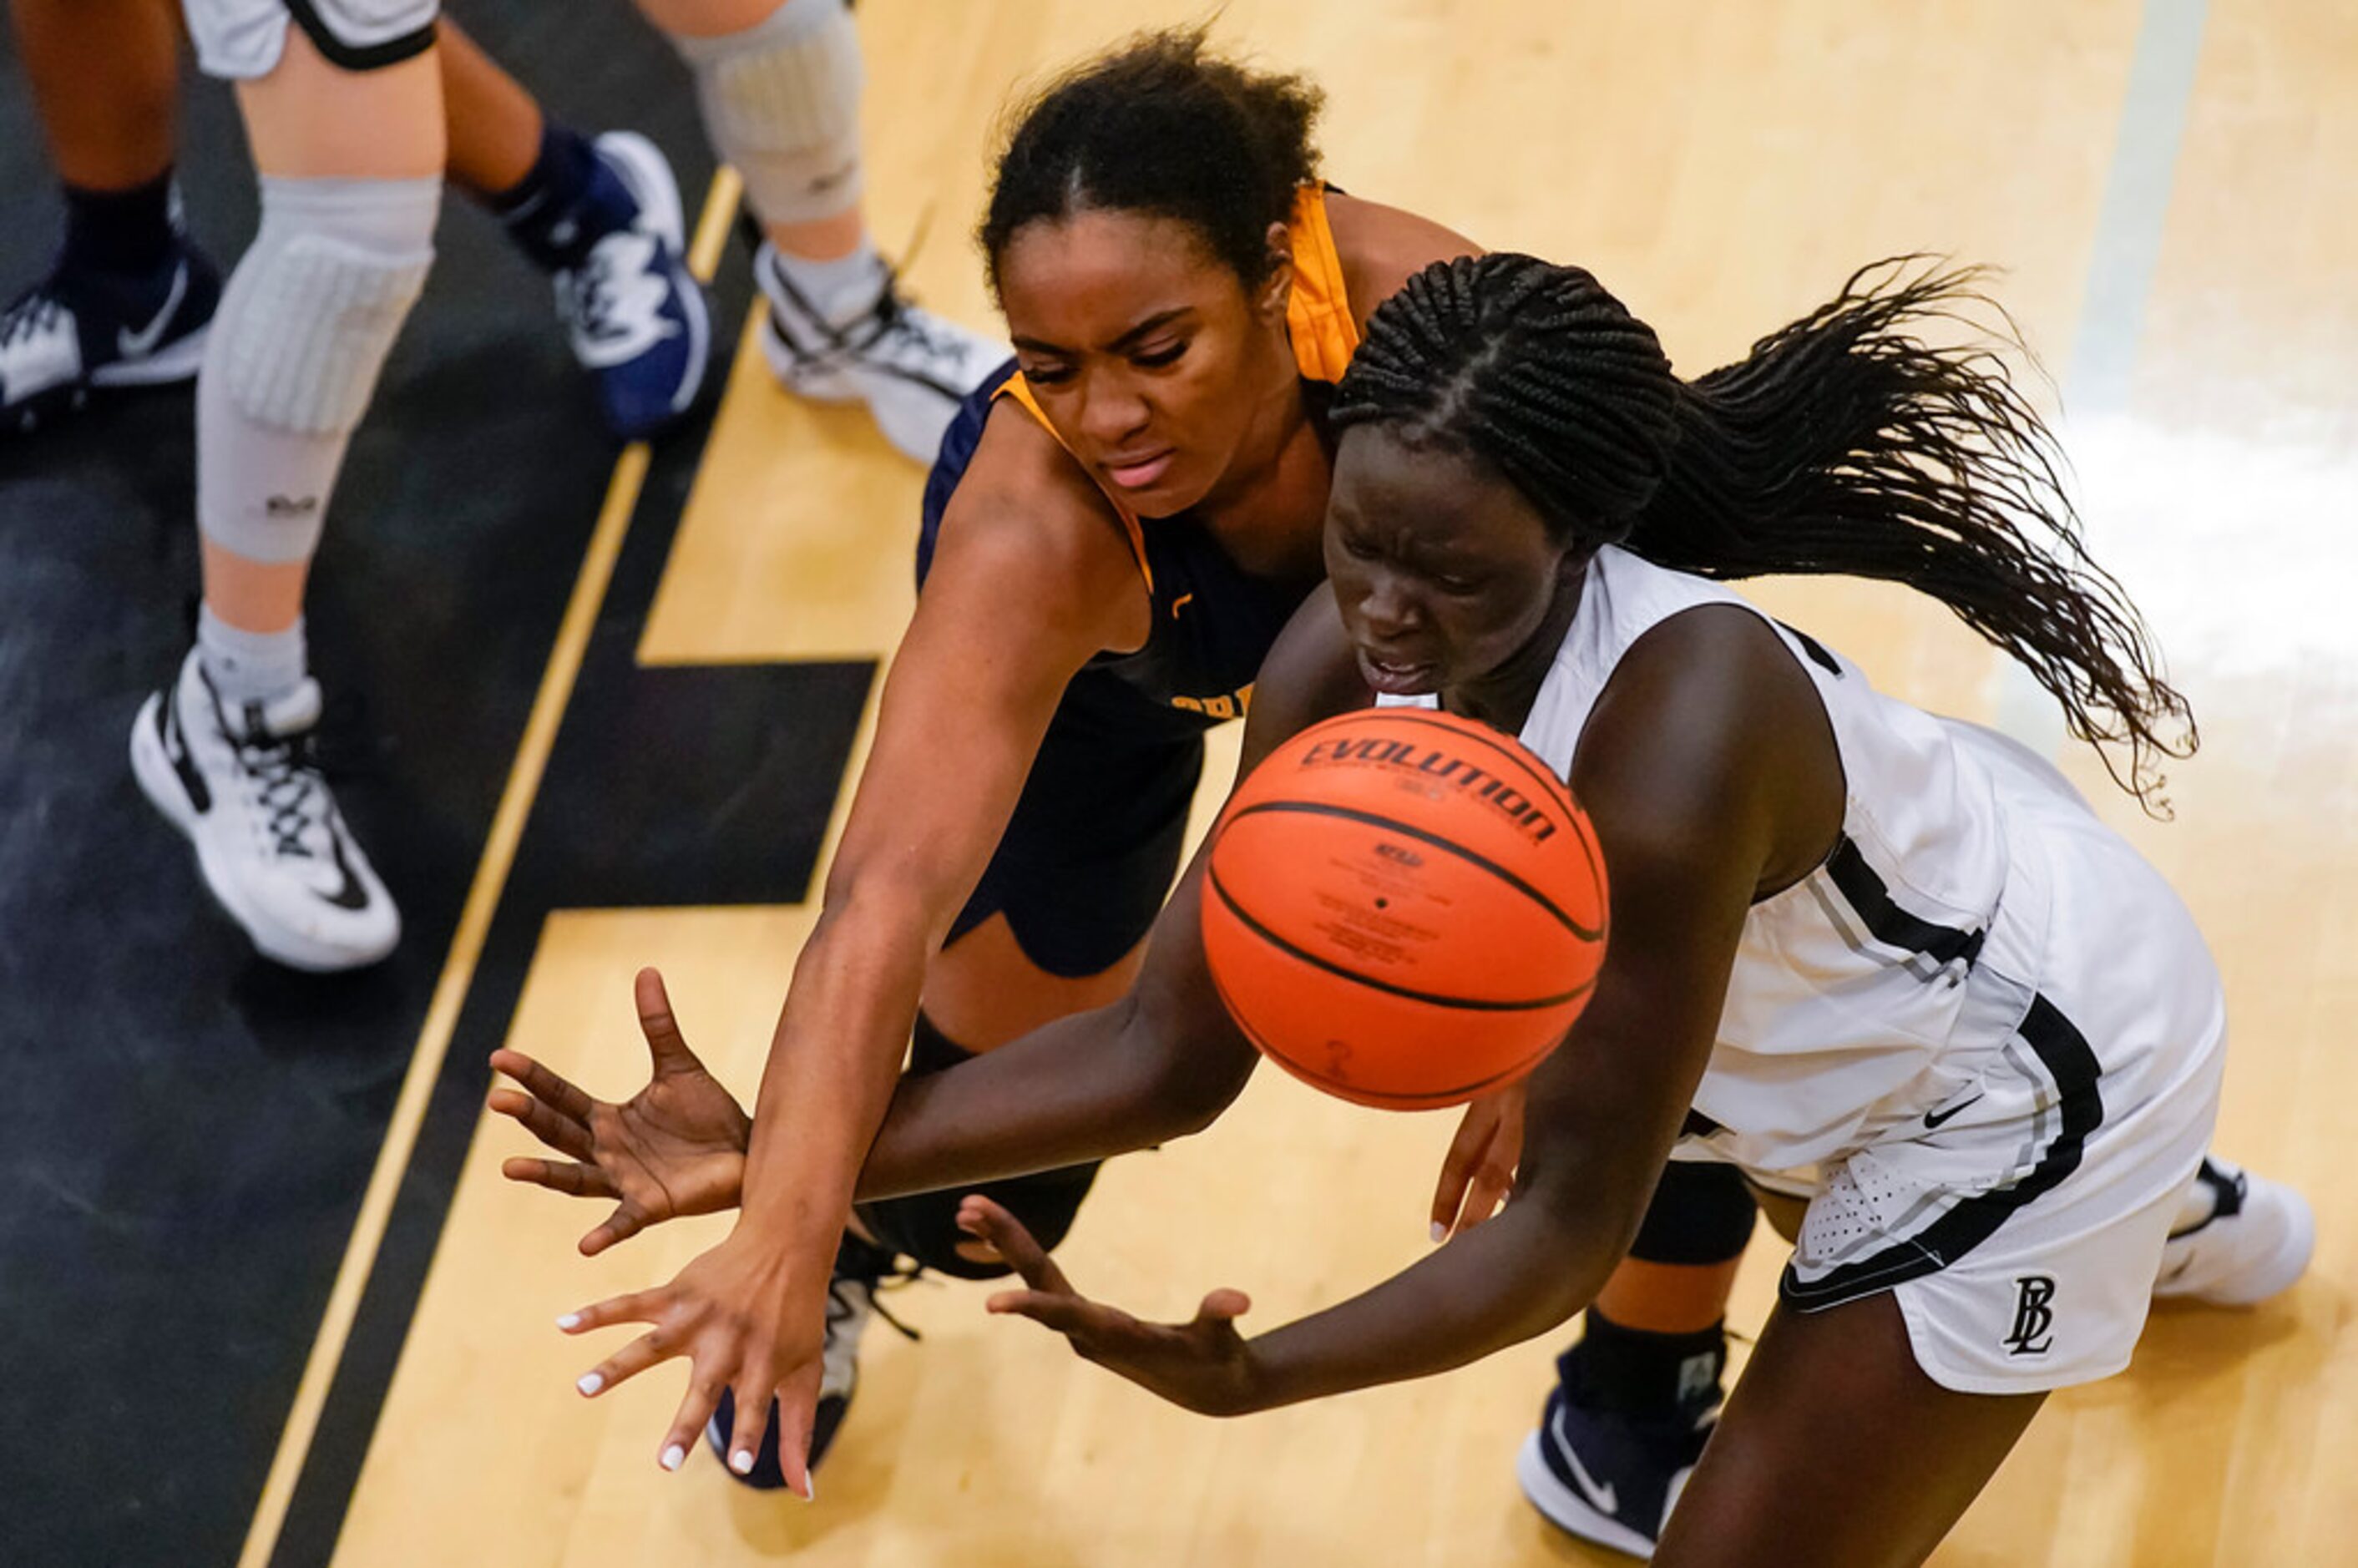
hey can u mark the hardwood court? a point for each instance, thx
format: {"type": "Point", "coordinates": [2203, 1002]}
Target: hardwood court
{"type": "Point", "coordinates": [1722, 166]}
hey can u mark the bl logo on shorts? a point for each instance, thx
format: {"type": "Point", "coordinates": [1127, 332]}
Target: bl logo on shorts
{"type": "Point", "coordinates": [2032, 1317]}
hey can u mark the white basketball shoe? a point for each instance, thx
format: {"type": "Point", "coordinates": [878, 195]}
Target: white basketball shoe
{"type": "Point", "coordinates": [245, 788]}
{"type": "Point", "coordinates": [911, 367]}
{"type": "Point", "coordinates": [2255, 1241]}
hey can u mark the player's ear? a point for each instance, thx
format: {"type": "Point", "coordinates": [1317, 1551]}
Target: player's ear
{"type": "Point", "coordinates": [1278, 287]}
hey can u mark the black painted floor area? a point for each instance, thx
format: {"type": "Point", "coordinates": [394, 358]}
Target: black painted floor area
{"type": "Point", "coordinates": [190, 1128]}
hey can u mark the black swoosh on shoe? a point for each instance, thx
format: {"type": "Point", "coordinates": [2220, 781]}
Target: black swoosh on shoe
{"type": "Point", "coordinates": [176, 750]}
{"type": "Point", "coordinates": [351, 895]}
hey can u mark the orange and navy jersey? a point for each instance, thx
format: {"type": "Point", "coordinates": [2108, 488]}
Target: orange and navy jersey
{"type": "Point", "coordinates": [1213, 621]}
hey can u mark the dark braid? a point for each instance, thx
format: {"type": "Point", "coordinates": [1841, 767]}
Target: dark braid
{"type": "Point", "coordinates": [1844, 444]}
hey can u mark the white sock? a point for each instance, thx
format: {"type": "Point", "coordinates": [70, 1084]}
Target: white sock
{"type": "Point", "coordinates": [841, 290]}
{"type": "Point", "coordinates": [250, 667]}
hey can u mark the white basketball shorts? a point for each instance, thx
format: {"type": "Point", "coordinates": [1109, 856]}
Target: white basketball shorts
{"type": "Point", "coordinates": [240, 41]}
{"type": "Point", "coordinates": [2019, 1222]}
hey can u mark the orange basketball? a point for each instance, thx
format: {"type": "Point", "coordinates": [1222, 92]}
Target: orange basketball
{"type": "Point", "coordinates": [1404, 908]}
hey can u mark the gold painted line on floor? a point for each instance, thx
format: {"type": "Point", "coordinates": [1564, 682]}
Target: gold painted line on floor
{"type": "Point", "coordinates": [466, 944]}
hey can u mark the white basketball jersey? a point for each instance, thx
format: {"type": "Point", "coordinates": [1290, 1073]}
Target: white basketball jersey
{"type": "Point", "coordinates": [1851, 985]}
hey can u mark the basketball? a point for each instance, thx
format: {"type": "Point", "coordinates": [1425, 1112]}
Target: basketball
{"type": "Point", "coordinates": [1404, 908]}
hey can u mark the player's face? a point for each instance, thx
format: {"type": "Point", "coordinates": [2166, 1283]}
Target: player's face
{"type": "Point", "coordinates": [1144, 348]}
{"type": "Point", "coordinates": [1443, 573]}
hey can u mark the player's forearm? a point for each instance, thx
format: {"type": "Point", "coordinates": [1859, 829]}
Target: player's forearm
{"type": "Point", "coordinates": [1512, 1278]}
{"type": "Point", "coordinates": [833, 1063]}
{"type": "Point", "coordinates": [1085, 1087]}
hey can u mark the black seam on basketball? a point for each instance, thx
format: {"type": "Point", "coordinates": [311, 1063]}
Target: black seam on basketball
{"type": "Point", "coordinates": [1524, 757]}
{"type": "Point", "coordinates": [1316, 808]}
{"type": "Point", "coordinates": [1505, 745]}
{"type": "Point", "coordinates": [1424, 1102]}
{"type": "Point", "coordinates": [1470, 1004]}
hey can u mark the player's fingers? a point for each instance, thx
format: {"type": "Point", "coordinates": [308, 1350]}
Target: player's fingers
{"type": "Point", "coordinates": [979, 1217]}
{"type": "Point", "coordinates": [1490, 1188]}
{"type": "Point", "coordinates": [658, 1023]}
{"type": "Point", "coordinates": [695, 1408]}
{"type": "Point", "coordinates": [796, 1414]}
{"type": "Point", "coordinates": [542, 1120]}
{"type": "Point", "coordinates": [749, 1424]}
{"type": "Point", "coordinates": [645, 1351]}
{"type": "Point", "coordinates": [558, 1177]}
{"type": "Point", "coordinates": [639, 1306]}
{"type": "Point", "coordinates": [627, 1220]}
{"type": "Point", "coordinates": [1067, 1315]}
{"type": "Point", "coordinates": [1224, 1306]}
{"type": "Point", "coordinates": [1457, 1167]}
{"type": "Point", "coordinates": [544, 1085]}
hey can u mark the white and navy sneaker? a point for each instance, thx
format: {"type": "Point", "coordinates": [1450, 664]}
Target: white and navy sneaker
{"type": "Point", "coordinates": [860, 1270]}
{"type": "Point", "coordinates": [1606, 1477]}
{"type": "Point", "coordinates": [2253, 1241]}
{"type": "Point", "coordinates": [911, 367]}
{"type": "Point", "coordinates": [245, 789]}
{"type": "Point", "coordinates": [635, 314]}
{"type": "Point", "coordinates": [74, 332]}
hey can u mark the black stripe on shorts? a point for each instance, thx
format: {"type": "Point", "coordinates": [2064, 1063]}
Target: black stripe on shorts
{"type": "Point", "coordinates": [2063, 1051]}
{"type": "Point", "coordinates": [357, 57]}
{"type": "Point", "coordinates": [1888, 923]}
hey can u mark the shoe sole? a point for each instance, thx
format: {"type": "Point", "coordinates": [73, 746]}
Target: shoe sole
{"type": "Point", "coordinates": [161, 785]}
{"type": "Point", "coordinates": [646, 174]}
{"type": "Point", "coordinates": [1568, 1511]}
{"type": "Point", "coordinates": [2283, 1268]}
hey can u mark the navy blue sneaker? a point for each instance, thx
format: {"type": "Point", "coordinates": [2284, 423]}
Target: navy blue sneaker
{"type": "Point", "coordinates": [75, 331]}
{"type": "Point", "coordinates": [636, 316]}
{"type": "Point", "coordinates": [1606, 1477]}
{"type": "Point", "coordinates": [860, 1270]}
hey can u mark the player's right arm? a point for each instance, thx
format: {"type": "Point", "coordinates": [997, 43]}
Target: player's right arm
{"type": "Point", "coordinates": [1159, 1064]}
{"type": "Point", "coordinates": [1031, 577]}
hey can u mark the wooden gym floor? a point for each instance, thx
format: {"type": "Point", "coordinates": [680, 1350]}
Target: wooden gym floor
{"type": "Point", "coordinates": [2167, 186]}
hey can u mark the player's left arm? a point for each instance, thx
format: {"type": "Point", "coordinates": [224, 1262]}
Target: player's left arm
{"type": "Point", "coordinates": [1687, 769]}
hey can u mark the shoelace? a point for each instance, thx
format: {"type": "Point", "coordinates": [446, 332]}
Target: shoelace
{"type": "Point", "coordinates": [840, 1306]}
{"type": "Point", "coordinates": [590, 293]}
{"type": "Point", "coordinates": [30, 314]}
{"type": "Point", "coordinates": [290, 784]}
{"type": "Point", "coordinates": [894, 317]}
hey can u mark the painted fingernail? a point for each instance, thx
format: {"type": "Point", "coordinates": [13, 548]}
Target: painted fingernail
{"type": "Point", "coordinates": [810, 1488]}
{"type": "Point", "coordinates": [1440, 1233]}
{"type": "Point", "coordinates": [673, 1458]}
{"type": "Point", "coordinates": [570, 1320]}
{"type": "Point", "coordinates": [742, 1462]}
{"type": "Point", "coordinates": [590, 1383]}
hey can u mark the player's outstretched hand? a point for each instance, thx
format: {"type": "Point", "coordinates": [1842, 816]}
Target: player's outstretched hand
{"type": "Point", "coordinates": [1204, 1365]}
{"type": "Point", "coordinates": [748, 1321]}
{"type": "Point", "coordinates": [677, 1147]}
{"type": "Point", "coordinates": [1478, 1172]}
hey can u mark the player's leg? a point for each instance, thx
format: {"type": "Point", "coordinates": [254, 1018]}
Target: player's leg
{"type": "Point", "coordinates": [604, 219]}
{"type": "Point", "coordinates": [344, 115]}
{"type": "Point", "coordinates": [1836, 1448]}
{"type": "Point", "coordinates": [779, 83]}
{"type": "Point", "coordinates": [1637, 1394]}
{"type": "Point", "coordinates": [128, 298]}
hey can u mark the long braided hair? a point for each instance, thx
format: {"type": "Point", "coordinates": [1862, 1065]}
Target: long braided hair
{"type": "Point", "coordinates": [1843, 444]}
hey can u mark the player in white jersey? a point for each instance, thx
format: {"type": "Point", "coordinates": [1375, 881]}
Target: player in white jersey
{"type": "Point", "coordinates": [225, 750]}
{"type": "Point", "coordinates": [1883, 962]}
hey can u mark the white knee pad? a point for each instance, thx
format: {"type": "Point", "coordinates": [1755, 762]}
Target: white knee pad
{"type": "Point", "coordinates": [303, 331]}
{"type": "Point", "coordinates": [781, 102]}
